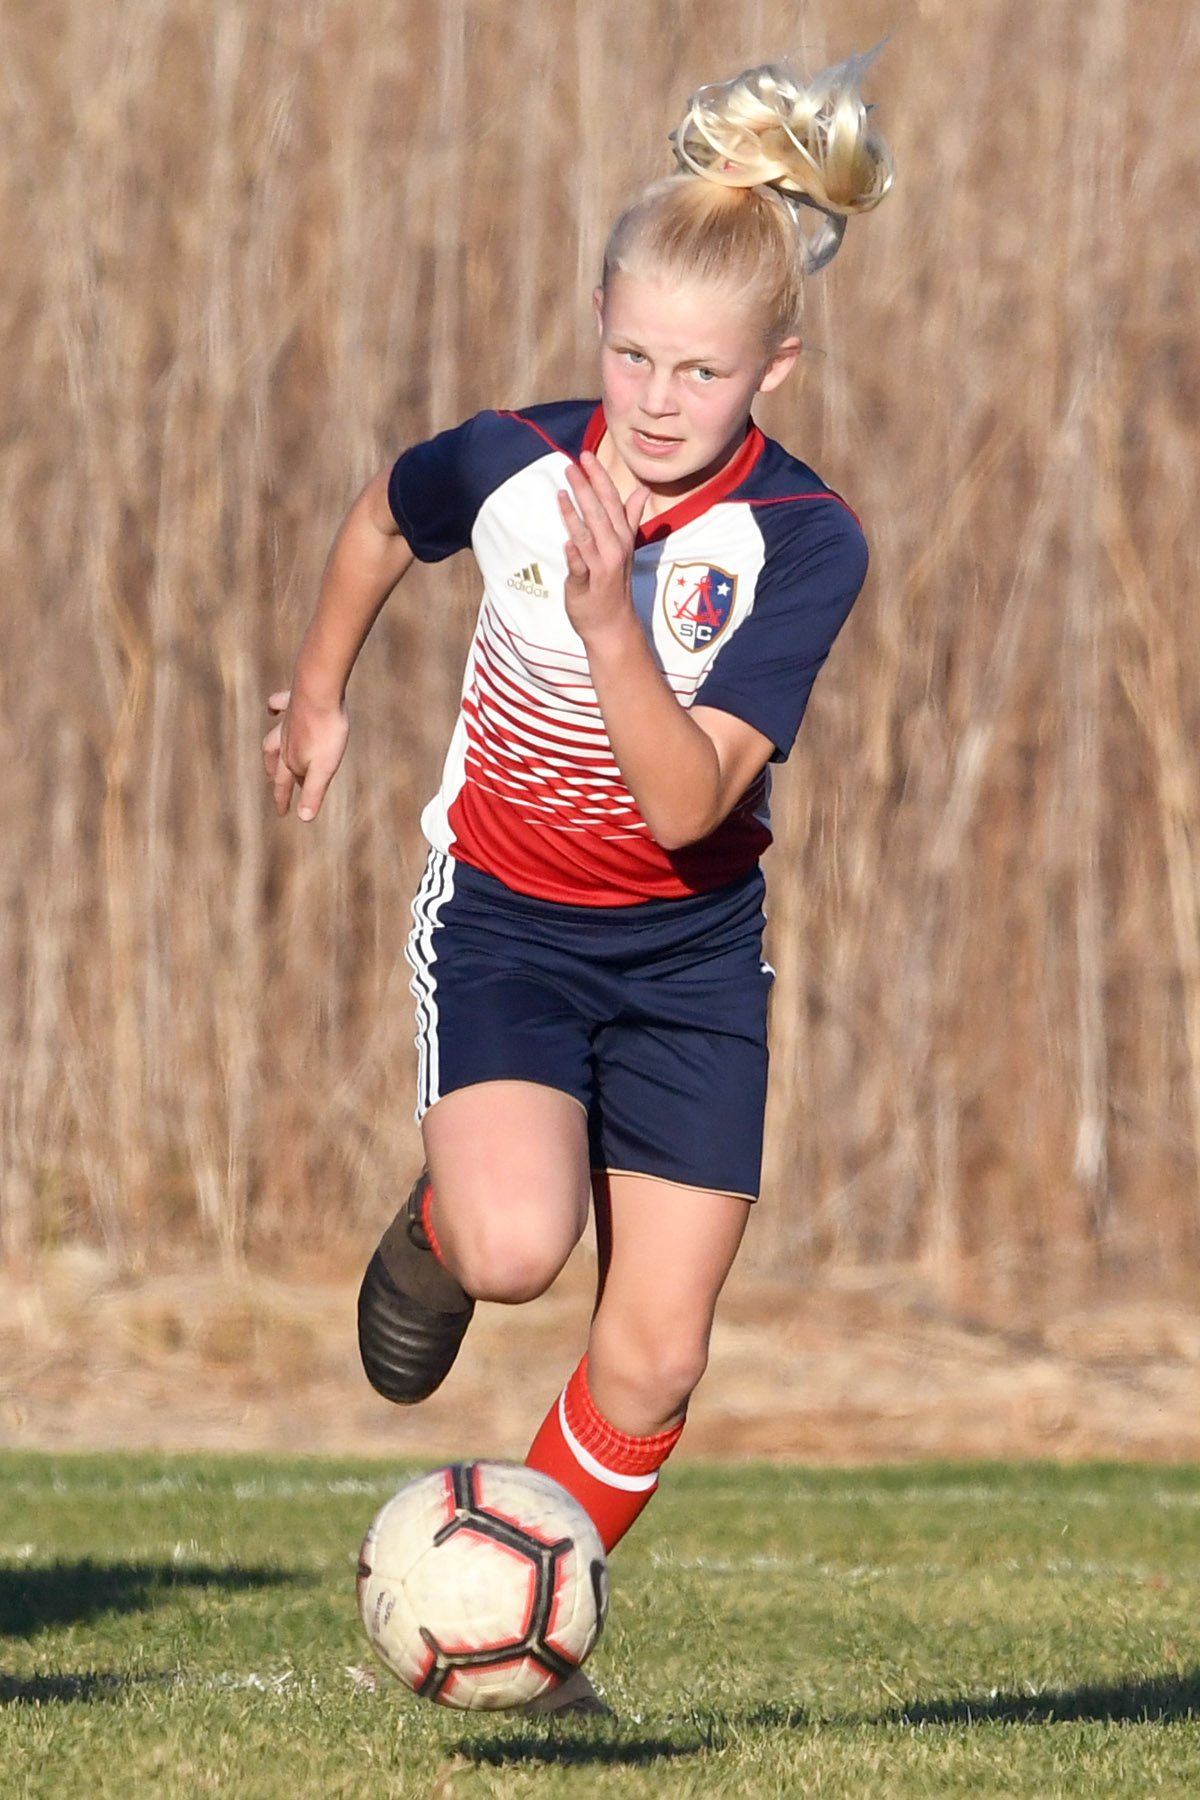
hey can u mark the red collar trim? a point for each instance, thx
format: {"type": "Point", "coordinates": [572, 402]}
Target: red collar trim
{"type": "Point", "coordinates": [692, 505]}
{"type": "Point", "coordinates": [595, 429]}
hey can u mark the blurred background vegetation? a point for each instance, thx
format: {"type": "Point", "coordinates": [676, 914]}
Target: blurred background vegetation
{"type": "Point", "coordinates": [252, 251]}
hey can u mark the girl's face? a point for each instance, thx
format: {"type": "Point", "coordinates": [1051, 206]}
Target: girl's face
{"type": "Point", "coordinates": [680, 364]}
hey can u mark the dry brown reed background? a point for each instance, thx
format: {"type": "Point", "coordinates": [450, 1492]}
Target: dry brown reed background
{"type": "Point", "coordinates": [251, 250]}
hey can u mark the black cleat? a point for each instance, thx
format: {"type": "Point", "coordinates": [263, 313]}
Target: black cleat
{"type": "Point", "coordinates": [412, 1313]}
{"type": "Point", "coordinates": [574, 1698]}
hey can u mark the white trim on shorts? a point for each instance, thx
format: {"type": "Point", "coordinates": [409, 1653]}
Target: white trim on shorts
{"type": "Point", "coordinates": [691, 1187]}
{"type": "Point", "coordinates": [436, 889]}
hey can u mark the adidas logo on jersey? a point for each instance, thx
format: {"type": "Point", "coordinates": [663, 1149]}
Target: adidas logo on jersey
{"type": "Point", "coordinates": [529, 581]}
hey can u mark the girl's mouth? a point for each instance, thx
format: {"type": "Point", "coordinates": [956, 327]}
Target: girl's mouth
{"type": "Point", "coordinates": [651, 445]}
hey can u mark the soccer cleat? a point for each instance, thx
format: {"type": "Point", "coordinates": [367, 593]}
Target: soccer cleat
{"type": "Point", "coordinates": [412, 1313]}
{"type": "Point", "coordinates": [574, 1698]}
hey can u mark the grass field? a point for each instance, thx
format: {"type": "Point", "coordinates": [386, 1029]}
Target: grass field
{"type": "Point", "coordinates": [186, 1626]}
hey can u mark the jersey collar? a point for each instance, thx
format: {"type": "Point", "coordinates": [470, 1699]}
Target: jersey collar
{"type": "Point", "coordinates": [691, 505]}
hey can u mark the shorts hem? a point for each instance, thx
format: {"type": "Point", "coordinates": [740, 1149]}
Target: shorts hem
{"type": "Point", "coordinates": [729, 1193]}
{"type": "Point", "coordinates": [491, 1080]}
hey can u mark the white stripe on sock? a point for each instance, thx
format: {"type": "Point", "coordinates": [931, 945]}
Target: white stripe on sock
{"type": "Point", "coordinates": [632, 1484]}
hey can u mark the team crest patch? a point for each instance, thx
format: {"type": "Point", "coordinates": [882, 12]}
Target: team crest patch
{"type": "Point", "coordinates": [698, 602]}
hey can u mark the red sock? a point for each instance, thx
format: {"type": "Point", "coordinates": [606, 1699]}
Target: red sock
{"type": "Point", "coordinates": [427, 1222]}
{"type": "Point", "coordinates": [612, 1475]}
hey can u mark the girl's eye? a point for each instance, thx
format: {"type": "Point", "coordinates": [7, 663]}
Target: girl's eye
{"type": "Point", "coordinates": [634, 356]}
{"type": "Point", "coordinates": [706, 375]}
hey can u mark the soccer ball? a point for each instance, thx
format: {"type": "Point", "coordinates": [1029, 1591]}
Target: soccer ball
{"type": "Point", "coordinates": [482, 1585]}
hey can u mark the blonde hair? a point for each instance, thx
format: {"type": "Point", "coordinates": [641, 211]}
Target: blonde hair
{"type": "Point", "coordinates": [754, 155]}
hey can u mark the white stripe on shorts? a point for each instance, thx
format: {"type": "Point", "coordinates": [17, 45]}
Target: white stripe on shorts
{"type": "Point", "coordinates": [437, 887]}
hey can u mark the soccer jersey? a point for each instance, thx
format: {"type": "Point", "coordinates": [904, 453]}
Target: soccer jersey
{"type": "Point", "coordinates": [741, 589]}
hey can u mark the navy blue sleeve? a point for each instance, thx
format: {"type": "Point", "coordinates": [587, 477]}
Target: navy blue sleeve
{"type": "Point", "coordinates": [436, 489]}
{"type": "Point", "coordinates": [816, 562]}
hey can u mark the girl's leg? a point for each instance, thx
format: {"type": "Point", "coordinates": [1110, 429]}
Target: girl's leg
{"type": "Point", "coordinates": [669, 1250]}
{"type": "Point", "coordinates": [508, 1162]}
{"type": "Point", "coordinates": [503, 1206]}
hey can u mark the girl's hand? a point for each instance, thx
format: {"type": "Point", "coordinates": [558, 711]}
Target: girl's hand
{"type": "Point", "coordinates": [601, 531]}
{"type": "Point", "coordinates": [303, 750]}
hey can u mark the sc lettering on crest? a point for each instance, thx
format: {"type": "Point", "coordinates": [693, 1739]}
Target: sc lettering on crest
{"type": "Point", "coordinates": [697, 601]}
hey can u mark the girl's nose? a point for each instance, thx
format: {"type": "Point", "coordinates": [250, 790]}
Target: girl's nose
{"type": "Point", "coordinates": [658, 396]}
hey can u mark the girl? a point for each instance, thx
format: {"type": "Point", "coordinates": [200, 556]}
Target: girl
{"type": "Point", "coordinates": [661, 585]}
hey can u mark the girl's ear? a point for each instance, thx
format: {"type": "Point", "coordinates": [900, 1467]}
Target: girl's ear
{"type": "Point", "coordinates": [598, 305]}
{"type": "Point", "coordinates": [780, 365]}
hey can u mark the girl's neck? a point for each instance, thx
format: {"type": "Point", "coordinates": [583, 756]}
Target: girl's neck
{"type": "Point", "coordinates": [660, 501]}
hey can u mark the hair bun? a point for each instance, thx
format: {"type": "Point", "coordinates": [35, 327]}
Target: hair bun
{"type": "Point", "coordinates": [813, 142]}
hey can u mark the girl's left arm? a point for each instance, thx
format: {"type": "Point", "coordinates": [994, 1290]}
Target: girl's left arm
{"type": "Point", "coordinates": [304, 749]}
{"type": "Point", "coordinates": [686, 770]}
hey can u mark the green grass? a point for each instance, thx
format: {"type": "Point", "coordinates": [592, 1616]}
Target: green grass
{"type": "Point", "coordinates": [184, 1627]}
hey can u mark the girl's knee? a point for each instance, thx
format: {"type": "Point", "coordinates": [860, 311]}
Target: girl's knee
{"type": "Point", "coordinates": [504, 1259]}
{"type": "Point", "coordinates": [654, 1377]}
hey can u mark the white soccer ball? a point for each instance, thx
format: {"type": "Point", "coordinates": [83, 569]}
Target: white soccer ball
{"type": "Point", "coordinates": [483, 1584]}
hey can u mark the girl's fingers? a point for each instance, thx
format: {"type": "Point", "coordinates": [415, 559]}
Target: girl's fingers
{"type": "Point", "coordinates": [582, 510]}
{"type": "Point", "coordinates": [570, 511]}
{"type": "Point", "coordinates": [599, 545]}
{"type": "Point", "coordinates": [283, 784]}
{"type": "Point", "coordinates": [635, 506]}
{"type": "Point", "coordinates": [312, 792]}
{"type": "Point", "coordinates": [580, 536]}
{"type": "Point", "coordinates": [596, 496]}
{"type": "Point", "coordinates": [603, 485]}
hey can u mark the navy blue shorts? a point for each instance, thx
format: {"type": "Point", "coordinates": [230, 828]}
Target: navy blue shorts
{"type": "Point", "coordinates": [652, 1016]}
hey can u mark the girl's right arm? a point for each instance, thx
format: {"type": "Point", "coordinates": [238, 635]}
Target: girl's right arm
{"type": "Point", "coordinates": [369, 556]}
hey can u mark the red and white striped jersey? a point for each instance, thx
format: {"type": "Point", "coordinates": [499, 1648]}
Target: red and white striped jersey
{"type": "Point", "coordinates": [740, 588]}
